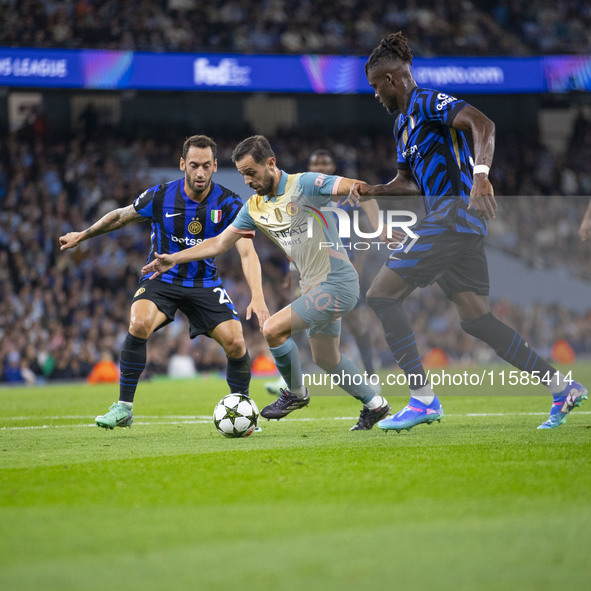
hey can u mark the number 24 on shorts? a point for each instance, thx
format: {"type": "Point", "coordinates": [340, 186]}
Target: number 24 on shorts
{"type": "Point", "coordinates": [223, 294]}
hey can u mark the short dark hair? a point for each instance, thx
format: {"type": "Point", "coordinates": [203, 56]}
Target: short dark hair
{"type": "Point", "coordinates": [321, 152]}
{"type": "Point", "coordinates": [394, 46]}
{"type": "Point", "coordinates": [257, 146]}
{"type": "Point", "coordinates": [200, 141]}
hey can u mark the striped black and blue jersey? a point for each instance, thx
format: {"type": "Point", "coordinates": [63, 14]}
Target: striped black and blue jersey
{"type": "Point", "coordinates": [440, 160]}
{"type": "Point", "coordinates": [179, 223]}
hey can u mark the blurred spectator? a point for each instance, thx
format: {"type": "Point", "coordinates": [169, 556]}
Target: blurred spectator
{"type": "Point", "coordinates": [437, 27]}
{"type": "Point", "coordinates": [105, 371]}
{"type": "Point", "coordinates": [12, 368]}
{"type": "Point", "coordinates": [180, 363]}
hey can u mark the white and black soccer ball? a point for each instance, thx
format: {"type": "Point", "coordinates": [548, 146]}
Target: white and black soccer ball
{"type": "Point", "coordinates": [236, 415]}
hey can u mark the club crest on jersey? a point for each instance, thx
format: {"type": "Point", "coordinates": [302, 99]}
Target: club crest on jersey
{"type": "Point", "coordinates": [195, 227]}
{"type": "Point", "coordinates": [292, 208]}
{"type": "Point", "coordinates": [216, 215]}
{"type": "Point", "coordinates": [410, 125]}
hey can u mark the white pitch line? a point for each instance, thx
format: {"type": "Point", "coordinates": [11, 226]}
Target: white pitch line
{"type": "Point", "coordinates": [513, 414]}
{"type": "Point", "coordinates": [30, 427]}
{"type": "Point", "coordinates": [208, 417]}
{"type": "Point", "coordinates": [80, 417]}
{"type": "Point", "coordinates": [200, 419]}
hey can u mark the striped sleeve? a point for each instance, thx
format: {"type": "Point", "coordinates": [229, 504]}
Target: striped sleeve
{"type": "Point", "coordinates": [442, 107]}
{"type": "Point", "coordinates": [145, 202]}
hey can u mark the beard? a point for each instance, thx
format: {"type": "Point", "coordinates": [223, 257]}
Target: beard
{"type": "Point", "coordinates": [266, 185]}
{"type": "Point", "coordinates": [195, 187]}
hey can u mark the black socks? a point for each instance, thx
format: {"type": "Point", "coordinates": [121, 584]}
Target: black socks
{"type": "Point", "coordinates": [400, 338]}
{"type": "Point", "coordinates": [238, 374]}
{"type": "Point", "coordinates": [132, 363]}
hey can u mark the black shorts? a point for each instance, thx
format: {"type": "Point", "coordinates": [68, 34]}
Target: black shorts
{"type": "Point", "coordinates": [205, 307]}
{"type": "Point", "coordinates": [453, 260]}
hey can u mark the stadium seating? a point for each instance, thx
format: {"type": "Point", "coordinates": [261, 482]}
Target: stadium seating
{"type": "Point", "coordinates": [439, 27]}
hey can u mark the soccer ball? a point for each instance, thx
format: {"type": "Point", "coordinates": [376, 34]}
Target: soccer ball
{"type": "Point", "coordinates": [236, 415]}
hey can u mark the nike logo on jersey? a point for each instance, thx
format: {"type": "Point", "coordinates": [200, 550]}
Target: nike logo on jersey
{"type": "Point", "coordinates": [171, 215]}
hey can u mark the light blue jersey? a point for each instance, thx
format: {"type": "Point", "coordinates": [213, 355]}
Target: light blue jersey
{"type": "Point", "coordinates": [309, 237]}
{"type": "Point", "coordinates": [293, 220]}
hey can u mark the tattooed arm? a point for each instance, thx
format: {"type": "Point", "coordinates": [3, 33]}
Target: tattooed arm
{"type": "Point", "coordinates": [111, 221]}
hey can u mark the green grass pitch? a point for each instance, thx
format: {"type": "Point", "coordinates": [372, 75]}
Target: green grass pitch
{"type": "Point", "coordinates": [481, 501]}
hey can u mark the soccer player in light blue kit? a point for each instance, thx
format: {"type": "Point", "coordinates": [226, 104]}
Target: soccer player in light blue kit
{"type": "Point", "coordinates": [356, 322]}
{"type": "Point", "coordinates": [283, 207]}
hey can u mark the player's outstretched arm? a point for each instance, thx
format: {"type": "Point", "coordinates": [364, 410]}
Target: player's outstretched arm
{"type": "Point", "coordinates": [358, 193]}
{"type": "Point", "coordinates": [402, 185]}
{"type": "Point", "coordinates": [251, 267]}
{"type": "Point", "coordinates": [206, 250]}
{"type": "Point", "coordinates": [483, 133]}
{"type": "Point", "coordinates": [370, 206]}
{"type": "Point", "coordinates": [585, 229]}
{"type": "Point", "coordinates": [111, 221]}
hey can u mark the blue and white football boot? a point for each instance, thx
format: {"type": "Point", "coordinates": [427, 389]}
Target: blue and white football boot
{"type": "Point", "coordinates": [412, 415]}
{"type": "Point", "coordinates": [572, 396]}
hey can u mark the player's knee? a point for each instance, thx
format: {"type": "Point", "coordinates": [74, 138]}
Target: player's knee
{"type": "Point", "coordinates": [268, 329]}
{"type": "Point", "coordinates": [378, 291]}
{"type": "Point", "coordinates": [235, 347]}
{"type": "Point", "coordinates": [141, 328]}
{"type": "Point", "coordinates": [372, 292]}
{"type": "Point", "coordinates": [271, 333]}
{"type": "Point", "coordinates": [471, 307]}
{"type": "Point", "coordinates": [383, 305]}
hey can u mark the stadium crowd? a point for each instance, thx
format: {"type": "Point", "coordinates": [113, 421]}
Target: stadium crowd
{"type": "Point", "coordinates": [438, 27]}
{"type": "Point", "coordinates": [61, 313]}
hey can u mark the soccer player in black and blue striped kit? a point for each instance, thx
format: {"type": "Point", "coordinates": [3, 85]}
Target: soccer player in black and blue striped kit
{"type": "Point", "coordinates": [184, 213]}
{"type": "Point", "coordinates": [434, 161]}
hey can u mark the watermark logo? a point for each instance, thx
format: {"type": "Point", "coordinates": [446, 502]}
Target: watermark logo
{"type": "Point", "coordinates": [397, 224]}
{"type": "Point", "coordinates": [319, 216]}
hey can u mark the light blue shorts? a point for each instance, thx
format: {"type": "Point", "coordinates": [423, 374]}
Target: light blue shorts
{"type": "Point", "coordinates": [321, 308]}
